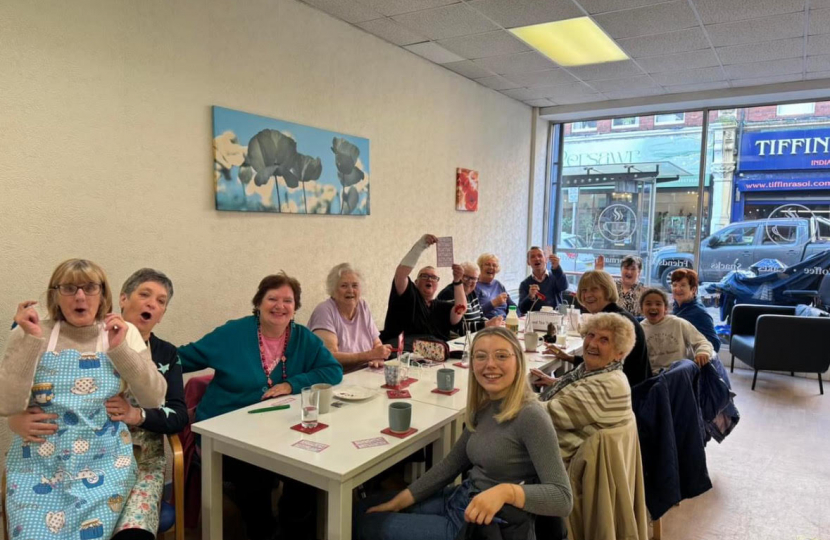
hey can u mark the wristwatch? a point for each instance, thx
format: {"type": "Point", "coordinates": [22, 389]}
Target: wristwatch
{"type": "Point", "coordinates": [143, 416]}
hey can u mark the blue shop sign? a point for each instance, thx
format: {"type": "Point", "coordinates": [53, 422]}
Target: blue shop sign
{"type": "Point", "coordinates": [778, 182]}
{"type": "Point", "coordinates": [795, 149]}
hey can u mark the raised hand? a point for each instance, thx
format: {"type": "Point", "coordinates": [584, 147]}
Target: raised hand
{"type": "Point", "coordinates": [457, 272]}
{"type": "Point", "coordinates": [116, 329]}
{"type": "Point", "coordinates": [28, 319]}
{"type": "Point", "coordinates": [554, 261]}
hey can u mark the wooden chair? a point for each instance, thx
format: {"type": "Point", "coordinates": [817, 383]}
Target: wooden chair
{"type": "Point", "coordinates": [177, 531]}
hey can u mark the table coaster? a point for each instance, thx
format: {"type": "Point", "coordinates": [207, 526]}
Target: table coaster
{"type": "Point", "coordinates": [398, 394]}
{"type": "Point", "coordinates": [402, 385]}
{"type": "Point", "coordinates": [446, 393]}
{"type": "Point", "coordinates": [320, 426]}
{"type": "Point", "coordinates": [462, 366]}
{"type": "Point", "coordinates": [403, 435]}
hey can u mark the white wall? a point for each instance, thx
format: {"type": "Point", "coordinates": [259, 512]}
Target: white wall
{"type": "Point", "coordinates": [105, 129]}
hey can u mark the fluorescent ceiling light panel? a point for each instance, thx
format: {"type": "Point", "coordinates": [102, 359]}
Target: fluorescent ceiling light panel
{"type": "Point", "coordinates": [572, 42]}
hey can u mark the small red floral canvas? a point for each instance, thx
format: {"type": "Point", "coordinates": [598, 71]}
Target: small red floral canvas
{"type": "Point", "coordinates": [466, 190]}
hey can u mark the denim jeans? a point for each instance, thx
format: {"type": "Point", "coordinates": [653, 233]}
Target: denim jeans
{"type": "Point", "coordinates": [439, 517]}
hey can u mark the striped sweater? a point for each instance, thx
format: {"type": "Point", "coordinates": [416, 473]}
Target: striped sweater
{"type": "Point", "coordinates": [587, 405]}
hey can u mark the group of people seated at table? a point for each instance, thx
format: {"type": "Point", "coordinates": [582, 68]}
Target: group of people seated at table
{"type": "Point", "coordinates": [85, 370]}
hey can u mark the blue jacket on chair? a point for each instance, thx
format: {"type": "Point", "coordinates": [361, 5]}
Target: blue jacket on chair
{"type": "Point", "coordinates": [671, 437]}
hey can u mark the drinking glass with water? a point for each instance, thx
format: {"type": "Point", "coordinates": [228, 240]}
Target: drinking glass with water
{"type": "Point", "coordinates": [310, 407]}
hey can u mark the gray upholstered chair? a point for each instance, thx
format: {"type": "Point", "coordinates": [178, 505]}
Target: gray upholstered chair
{"type": "Point", "coordinates": [772, 338]}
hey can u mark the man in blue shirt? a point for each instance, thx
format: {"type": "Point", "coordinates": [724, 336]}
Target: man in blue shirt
{"type": "Point", "coordinates": [542, 287]}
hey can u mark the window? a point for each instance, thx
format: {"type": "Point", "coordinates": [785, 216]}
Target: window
{"type": "Point", "coordinates": [673, 118]}
{"type": "Point", "coordinates": [779, 234]}
{"type": "Point", "coordinates": [737, 236]}
{"type": "Point", "coordinates": [623, 123]}
{"type": "Point", "coordinates": [590, 125]}
{"type": "Point", "coordinates": [794, 109]}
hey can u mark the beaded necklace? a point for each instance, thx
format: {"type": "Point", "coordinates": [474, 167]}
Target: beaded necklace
{"type": "Point", "coordinates": [281, 357]}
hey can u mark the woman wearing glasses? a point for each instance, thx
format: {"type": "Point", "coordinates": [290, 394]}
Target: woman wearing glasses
{"type": "Point", "coordinates": [514, 473]}
{"type": "Point", "coordinates": [73, 480]}
{"type": "Point", "coordinates": [494, 298]}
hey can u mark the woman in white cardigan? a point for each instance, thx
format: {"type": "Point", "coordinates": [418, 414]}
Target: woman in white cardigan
{"type": "Point", "coordinates": [670, 338]}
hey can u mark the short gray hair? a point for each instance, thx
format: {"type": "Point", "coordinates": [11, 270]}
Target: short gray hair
{"type": "Point", "coordinates": [470, 267]}
{"type": "Point", "coordinates": [147, 274]}
{"type": "Point", "coordinates": [333, 279]}
{"type": "Point", "coordinates": [622, 330]}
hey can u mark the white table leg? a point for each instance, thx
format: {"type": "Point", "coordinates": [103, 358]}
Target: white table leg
{"type": "Point", "coordinates": [211, 491]}
{"type": "Point", "coordinates": [339, 522]}
{"type": "Point", "coordinates": [441, 447]}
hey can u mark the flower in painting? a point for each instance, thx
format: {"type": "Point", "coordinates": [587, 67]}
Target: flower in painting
{"type": "Point", "coordinates": [466, 190]}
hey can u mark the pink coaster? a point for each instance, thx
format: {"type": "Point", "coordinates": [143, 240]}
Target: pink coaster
{"type": "Point", "coordinates": [451, 392]}
{"type": "Point", "coordinates": [462, 366]}
{"type": "Point", "coordinates": [320, 426]}
{"type": "Point", "coordinates": [403, 384]}
{"type": "Point", "coordinates": [398, 394]}
{"type": "Point", "coordinates": [403, 435]}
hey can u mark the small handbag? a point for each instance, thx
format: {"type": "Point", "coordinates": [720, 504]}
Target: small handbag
{"type": "Point", "coordinates": [433, 350]}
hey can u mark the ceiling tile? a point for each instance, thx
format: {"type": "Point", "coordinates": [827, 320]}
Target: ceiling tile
{"type": "Point", "coordinates": [609, 70]}
{"type": "Point", "coordinates": [764, 69]}
{"type": "Point", "coordinates": [818, 44]}
{"type": "Point", "coordinates": [575, 99]}
{"type": "Point", "coordinates": [679, 62]}
{"type": "Point", "coordinates": [692, 76]}
{"type": "Point", "coordinates": [391, 31]}
{"type": "Point", "coordinates": [396, 7]}
{"type": "Point", "coordinates": [634, 93]}
{"type": "Point", "coordinates": [819, 4]}
{"type": "Point", "coordinates": [497, 82]}
{"type": "Point", "coordinates": [446, 22]}
{"type": "Point", "coordinates": [722, 11]}
{"type": "Point", "coordinates": [758, 52]}
{"type": "Point", "coordinates": [513, 13]}
{"type": "Point", "coordinates": [648, 20]}
{"type": "Point", "coordinates": [716, 85]}
{"type": "Point", "coordinates": [517, 63]}
{"type": "Point", "coordinates": [433, 52]}
{"type": "Point", "coordinates": [818, 63]}
{"type": "Point", "coordinates": [643, 81]}
{"type": "Point", "coordinates": [755, 30]}
{"type": "Point", "coordinates": [484, 45]}
{"type": "Point", "coordinates": [468, 69]}
{"type": "Point", "coordinates": [818, 75]}
{"type": "Point", "coordinates": [757, 81]}
{"type": "Point", "coordinates": [542, 78]}
{"type": "Point", "coordinates": [569, 90]}
{"type": "Point", "coordinates": [539, 103]}
{"type": "Point", "coordinates": [669, 43]}
{"type": "Point", "coordinates": [347, 10]}
{"type": "Point", "coordinates": [523, 94]}
{"type": "Point", "coordinates": [602, 6]}
{"type": "Point", "coordinates": [819, 21]}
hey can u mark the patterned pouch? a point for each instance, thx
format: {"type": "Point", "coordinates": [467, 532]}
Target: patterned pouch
{"type": "Point", "coordinates": [433, 350]}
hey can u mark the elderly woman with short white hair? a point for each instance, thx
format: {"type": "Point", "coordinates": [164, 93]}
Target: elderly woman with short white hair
{"type": "Point", "coordinates": [493, 296]}
{"type": "Point", "coordinates": [596, 395]}
{"type": "Point", "coordinates": [344, 321]}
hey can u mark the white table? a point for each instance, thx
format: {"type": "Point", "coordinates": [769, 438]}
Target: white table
{"type": "Point", "coordinates": [265, 440]}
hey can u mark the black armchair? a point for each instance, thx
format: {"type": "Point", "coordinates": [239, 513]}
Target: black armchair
{"type": "Point", "coordinates": [773, 338]}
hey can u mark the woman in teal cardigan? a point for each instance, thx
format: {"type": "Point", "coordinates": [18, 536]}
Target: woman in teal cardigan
{"type": "Point", "coordinates": [259, 357]}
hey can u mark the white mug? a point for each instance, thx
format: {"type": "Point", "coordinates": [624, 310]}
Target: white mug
{"type": "Point", "coordinates": [531, 341]}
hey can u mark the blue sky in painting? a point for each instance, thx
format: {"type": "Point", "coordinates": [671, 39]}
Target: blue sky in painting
{"type": "Point", "coordinates": [311, 141]}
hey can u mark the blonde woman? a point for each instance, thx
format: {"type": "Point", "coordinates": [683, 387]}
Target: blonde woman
{"type": "Point", "coordinates": [493, 296]}
{"type": "Point", "coordinates": [74, 468]}
{"type": "Point", "coordinates": [506, 447]}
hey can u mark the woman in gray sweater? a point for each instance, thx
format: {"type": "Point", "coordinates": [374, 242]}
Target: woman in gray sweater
{"type": "Point", "coordinates": [508, 446]}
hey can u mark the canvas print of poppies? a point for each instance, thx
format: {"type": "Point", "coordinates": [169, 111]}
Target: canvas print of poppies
{"type": "Point", "coordinates": [267, 165]}
{"type": "Point", "coordinates": [466, 190]}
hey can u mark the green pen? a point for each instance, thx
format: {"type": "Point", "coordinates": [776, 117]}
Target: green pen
{"type": "Point", "coordinates": [266, 409]}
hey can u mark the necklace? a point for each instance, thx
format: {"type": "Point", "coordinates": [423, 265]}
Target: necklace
{"type": "Point", "coordinates": [281, 357]}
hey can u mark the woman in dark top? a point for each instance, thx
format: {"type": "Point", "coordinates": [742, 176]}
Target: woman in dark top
{"type": "Point", "coordinates": [688, 306]}
{"type": "Point", "coordinates": [597, 293]}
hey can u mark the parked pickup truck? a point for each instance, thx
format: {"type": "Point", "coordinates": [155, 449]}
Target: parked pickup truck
{"type": "Point", "coordinates": [739, 245]}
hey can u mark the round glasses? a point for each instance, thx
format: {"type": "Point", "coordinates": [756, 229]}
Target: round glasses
{"type": "Point", "coordinates": [499, 356]}
{"type": "Point", "coordinates": [70, 289]}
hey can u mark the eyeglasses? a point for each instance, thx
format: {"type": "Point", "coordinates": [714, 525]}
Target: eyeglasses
{"type": "Point", "coordinates": [500, 356]}
{"type": "Point", "coordinates": [429, 277]}
{"type": "Point", "coordinates": [469, 279]}
{"type": "Point", "coordinates": [70, 289]}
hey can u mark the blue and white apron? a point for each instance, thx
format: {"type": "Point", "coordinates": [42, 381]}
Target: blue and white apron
{"type": "Point", "coordinates": [73, 485]}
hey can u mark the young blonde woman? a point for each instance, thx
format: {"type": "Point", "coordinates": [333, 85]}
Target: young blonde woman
{"type": "Point", "coordinates": [506, 447]}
